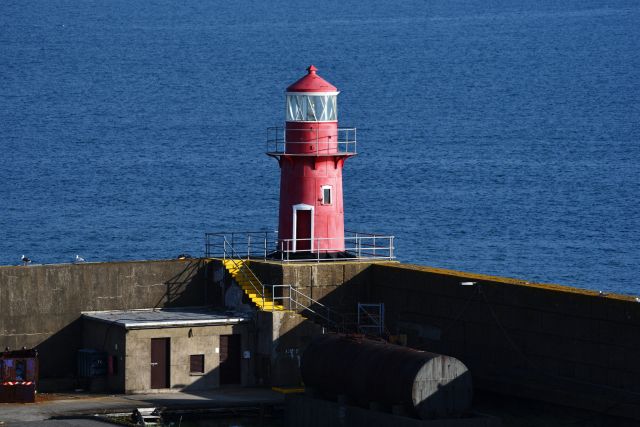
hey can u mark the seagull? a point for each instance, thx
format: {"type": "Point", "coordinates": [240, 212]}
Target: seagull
{"type": "Point", "coordinates": [79, 258]}
{"type": "Point", "coordinates": [25, 260]}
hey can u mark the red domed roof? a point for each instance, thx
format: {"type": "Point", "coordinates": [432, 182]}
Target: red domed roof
{"type": "Point", "coordinates": [312, 83]}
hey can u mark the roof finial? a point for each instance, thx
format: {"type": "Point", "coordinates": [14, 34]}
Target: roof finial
{"type": "Point", "coordinates": [312, 69]}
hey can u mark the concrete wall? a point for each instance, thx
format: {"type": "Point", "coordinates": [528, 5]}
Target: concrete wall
{"type": "Point", "coordinates": [41, 305]}
{"type": "Point", "coordinates": [283, 337]}
{"type": "Point", "coordinates": [321, 280]}
{"type": "Point", "coordinates": [546, 342]}
{"type": "Point", "coordinates": [110, 339]}
{"type": "Point", "coordinates": [203, 340]}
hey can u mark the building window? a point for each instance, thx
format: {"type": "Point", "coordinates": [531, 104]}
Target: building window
{"type": "Point", "coordinates": [196, 363]}
{"type": "Point", "coordinates": [326, 194]}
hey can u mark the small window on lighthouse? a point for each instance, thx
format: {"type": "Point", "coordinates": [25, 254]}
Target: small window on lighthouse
{"type": "Point", "coordinates": [326, 194]}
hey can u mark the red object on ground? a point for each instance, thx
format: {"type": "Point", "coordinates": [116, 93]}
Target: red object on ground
{"type": "Point", "coordinates": [18, 376]}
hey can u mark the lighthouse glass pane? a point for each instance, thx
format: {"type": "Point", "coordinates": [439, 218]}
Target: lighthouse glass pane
{"type": "Point", "coordinates": [311, 108]}
{"type": "Point", "coordinates": [331, 111]}
{"type": "Point", "coordinates": [296, 107]}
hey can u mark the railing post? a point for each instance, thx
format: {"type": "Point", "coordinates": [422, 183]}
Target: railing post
{"type": "Point", "coordinates": [391, 247]}
{"type": "Point", "coordinates": [248, 246]}
{"type": "Point", "coordinates": [374, 246]}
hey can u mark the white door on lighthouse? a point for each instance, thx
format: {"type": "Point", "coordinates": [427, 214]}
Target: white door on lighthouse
{"type": "Point", "coordinates": [302, 228]}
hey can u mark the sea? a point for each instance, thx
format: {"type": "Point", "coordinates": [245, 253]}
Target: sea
{"type": "Point", "coordinates": [498, 137]}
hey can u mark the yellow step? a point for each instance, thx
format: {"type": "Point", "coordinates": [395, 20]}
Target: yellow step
{"type": "Point", "coordinates": [270, 307]}
{"type": "Point", "coordinates": [259, 300]}
{"type": "Point", "coordinates": [253, 296]}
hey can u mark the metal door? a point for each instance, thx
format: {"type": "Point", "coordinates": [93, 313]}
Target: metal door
{"type": "Point", "coordinates": [160, 362]}
{"type": "Point", "coordinates": [230, 359]}
{"type": "Point", "coordinates": [303, 230]}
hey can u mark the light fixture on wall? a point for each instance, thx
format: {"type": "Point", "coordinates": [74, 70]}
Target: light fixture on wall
{"type": "Point", "coordinates": [467, 283]}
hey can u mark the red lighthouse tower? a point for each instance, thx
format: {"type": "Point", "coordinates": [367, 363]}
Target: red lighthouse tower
{"type": "Point", "coordinates": [311, 151]}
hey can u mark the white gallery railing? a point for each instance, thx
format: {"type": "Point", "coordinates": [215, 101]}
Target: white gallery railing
{"type": "Point", "coordinates": [265, 245]}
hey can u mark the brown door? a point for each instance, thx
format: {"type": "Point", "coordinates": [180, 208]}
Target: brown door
{"type": "Point", "coordinates": [159, 362]}
{"type": "Point", "coordinates": [230, 359]}
{"type": "Point", "coordinates": [303, 230]}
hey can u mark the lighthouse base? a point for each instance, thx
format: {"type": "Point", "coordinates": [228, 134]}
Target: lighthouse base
{"type": "Point", "coordinates": [304, 255]}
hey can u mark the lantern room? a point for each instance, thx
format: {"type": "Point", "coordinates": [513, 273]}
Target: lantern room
{"type": "Point", "coordinates": [311, 151]}
{"type": "Point", "coordinates": [312, 99]}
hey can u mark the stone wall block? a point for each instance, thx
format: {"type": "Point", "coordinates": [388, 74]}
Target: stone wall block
{"type": "Point", "coordinates": [569, 326]}
{"type": "Point", "coordinates": [627, 312]}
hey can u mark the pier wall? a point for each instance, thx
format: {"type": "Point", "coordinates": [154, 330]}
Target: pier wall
{"type": "Point", "coordinates": [41, 304]}
{"type": "Point", "coordinates": [545, 342]}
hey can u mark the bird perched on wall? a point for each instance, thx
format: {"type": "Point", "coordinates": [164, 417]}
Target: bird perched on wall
{"type": "Point", "coordinates": [79, 259]}
{"type": "Point", "coordinates": [25, 260]}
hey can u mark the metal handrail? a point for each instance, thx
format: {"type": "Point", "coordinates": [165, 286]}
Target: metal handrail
{"type": "Point", "coordinates": [367, 246]}
{"type": "Point", "coordinates": [331, 317]}
{"type": "Point", "coordinates": [345, 141]}
{"type": "Point", "coordinates": [355, 246]}
{"type": "Point", "coordinates": [297, 300]}
{"type": "Point", "coordinates": [241, 269]}
{"type": "Point", "coordinates": [258, 243]}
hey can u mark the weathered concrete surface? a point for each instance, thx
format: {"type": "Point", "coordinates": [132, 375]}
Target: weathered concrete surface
{"type": "Point", "coordinates": [89, 405]}
{"type": "Point", "coordinates": [306, 411]}
{"type": "Point", "coordinates": [283, 336]}
{"type": "Point", "coordinates": [110, 339]}
{"type": "Point", "coordinates": [41, 305]}
{"type": "Point", "coordinates": [185, 342]}
{"type": "Point", "coordinates": [547, 342]}
{"type": "Point", "coordinates": [321, 281]}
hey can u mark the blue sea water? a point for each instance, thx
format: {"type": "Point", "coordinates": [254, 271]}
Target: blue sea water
{"type": "Point", "coordinates": [499, 137]}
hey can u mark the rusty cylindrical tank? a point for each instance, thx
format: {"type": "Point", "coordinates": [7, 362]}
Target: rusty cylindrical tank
{"type": "Point", "coordinates": [428, 384]}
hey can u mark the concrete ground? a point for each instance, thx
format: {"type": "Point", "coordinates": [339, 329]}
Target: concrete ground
{"type": "Point", "coordinates": [86, 404]}
{"type": "Point", "coordinates": [514, 412]}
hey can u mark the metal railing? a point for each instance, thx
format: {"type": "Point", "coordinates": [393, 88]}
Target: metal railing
{"type": "Point", "coordinates": [249, 244]}
{"type": "Point", "coordinates": [292, 299]}
{"type": "Point", "coordinates": [355, 246]}
{"type": "Point", "coordinates": [229, 253]}
{"type": "Point", "coordinates": [345, 142]}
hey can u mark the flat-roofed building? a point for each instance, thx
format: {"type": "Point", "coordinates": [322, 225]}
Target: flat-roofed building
{"type": "Point", "coordinates": [171, 349]}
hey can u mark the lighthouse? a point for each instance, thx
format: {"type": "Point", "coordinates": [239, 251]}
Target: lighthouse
{"type": "Point", "coordinates": [311, 150]}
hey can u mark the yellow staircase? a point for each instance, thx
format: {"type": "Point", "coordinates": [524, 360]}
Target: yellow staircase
{"type": "Point", "coordinates": [250, 284]}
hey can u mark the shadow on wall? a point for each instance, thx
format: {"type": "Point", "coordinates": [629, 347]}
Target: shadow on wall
{"type": "Point", "coordinates": [58, 352]}
{"type": "Point", "coordinates": [544, 342]}
{"type": "Point", "coordinates": [182, 289]}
